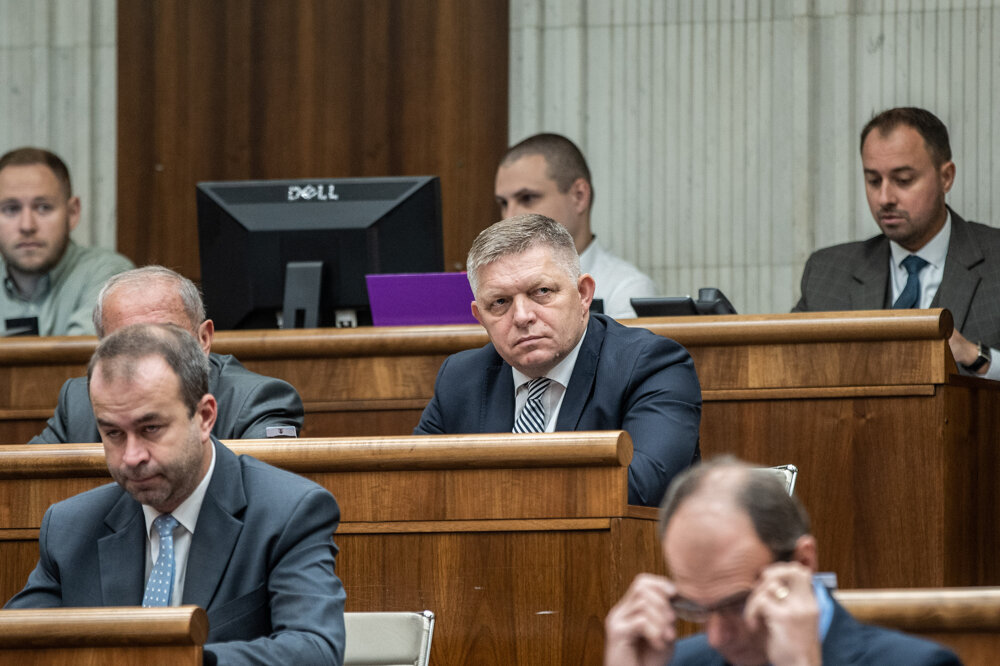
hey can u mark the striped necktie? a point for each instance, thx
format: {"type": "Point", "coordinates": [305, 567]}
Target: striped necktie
{"type": "Point", "coordinates": [532, 416]}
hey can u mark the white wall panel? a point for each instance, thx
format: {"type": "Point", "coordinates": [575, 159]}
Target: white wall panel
{"type": "Point", "coordinates": [722, 134]}
{"type": "Point", "coordinates": [58, 91]}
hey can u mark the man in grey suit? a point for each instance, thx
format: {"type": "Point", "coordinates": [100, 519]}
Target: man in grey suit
{"type": "Point", "coordinates": [250, 406]}
{"type": "Point", "coordinates": [741, 561]}
{"type": "Point", "coordinates": [188, 521]}
{"type": "Point", "coordinates": [926, 255]}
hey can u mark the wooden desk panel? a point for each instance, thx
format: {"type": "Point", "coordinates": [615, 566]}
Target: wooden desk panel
{"type": "Point", "coordinates": [519, 544]}
{"type": "Point", "coordinates": [892, 445]}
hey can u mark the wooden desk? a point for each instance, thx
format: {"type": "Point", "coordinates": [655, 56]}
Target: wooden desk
{"type": "Point", "coordinates": [519, 544]}
{"type": "Point", "coordinates": [897, 453]}
{"type": "Point", "coordinates": [965, 619]}
{"type": "Point", "coordinates": [99, 636]}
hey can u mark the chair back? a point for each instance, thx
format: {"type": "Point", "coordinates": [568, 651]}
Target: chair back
{"type": "Point", "coordinates": [388, 639]}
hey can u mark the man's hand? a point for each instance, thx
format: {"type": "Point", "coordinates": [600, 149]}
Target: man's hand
{"type": "Point", "coordinates": [639, 630]}
{"type": "Point", "coordinates": [964, 351]}
{"type": "Point", "coordinates": [783, 604]}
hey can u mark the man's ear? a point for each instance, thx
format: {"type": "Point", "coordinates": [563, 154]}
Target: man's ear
{"type": "Point", "coordinates": [805, 552]}
{"type": "Point", "coordinates": [208, 410]}
{"type": "Point", "coordinates": [73, 212]}
{"type": "Point", "coordinates": [586, 286]}
{"type": "Point", "coordinates": [205, 334]}
{"type": "Point", "coordinates": [476, 314]}
{"type": "Point", "coordinates": [581, 193]}
{"type": "Point", "coordinates": [947, 172]}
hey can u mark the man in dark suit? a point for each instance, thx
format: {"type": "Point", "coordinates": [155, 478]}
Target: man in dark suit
{"type": "Point", "coordinates": [955, 264]}
{"type": "Point", "coordinates": [189, 522]}
{"type": "Point", "coordinates": [741, 561]}
{"type": "Point", "coordinates": [250, 406]}
{"type": "Point", "coordinates": [550, 365]}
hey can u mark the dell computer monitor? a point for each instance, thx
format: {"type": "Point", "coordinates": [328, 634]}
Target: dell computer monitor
{"type": "Point", "coordinates": [294, 253]}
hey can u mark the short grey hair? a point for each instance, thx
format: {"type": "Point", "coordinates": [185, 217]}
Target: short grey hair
{"type": "Point", "coordinates": [516, 235]}
{"type": "Point", "coordinates": [119, 353]}
{"type": "Point", "coordinates": [190, 295]}
{"type": "Point", "coordinates": [778, 518]}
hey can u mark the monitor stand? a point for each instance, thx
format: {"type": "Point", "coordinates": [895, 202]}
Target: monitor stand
{"type": "Point", "coordinates": [303, 280]}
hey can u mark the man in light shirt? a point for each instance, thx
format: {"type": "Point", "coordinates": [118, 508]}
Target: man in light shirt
{"type": "Point", "coordinates": [547, 174]}
{"type": "Point", "coordinates": [927, 256]}
{"type": "Point", "coordinates": [188, 521]}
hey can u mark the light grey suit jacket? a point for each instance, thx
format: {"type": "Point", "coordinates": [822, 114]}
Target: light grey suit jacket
{"type": "Point", "coordinates": [261, 562]}
{"type": "Point", "coordinates": [855, 276]}
{"type": "Point", "coordinates": [248, 404]}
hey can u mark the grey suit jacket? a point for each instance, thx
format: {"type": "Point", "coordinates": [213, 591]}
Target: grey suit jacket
{"type": "Point", "coordinates": [848, 642]}
{"type": "Point", "coordinates": [624, 379]}
{"type": "Point", "coordinates": [261, 562]}
{"type": "Point", "coordinates": [248, 404]}
{"type": "Point", "coordinates": [855, 276]}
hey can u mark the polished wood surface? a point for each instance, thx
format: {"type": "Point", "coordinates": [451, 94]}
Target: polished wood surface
{"type": "Point", "coordinates": [897, 452]}
{"type": "Point", "coordinates": [97, 636]}
{"type": "Point", "coordinates": [256, 89]}
{"type": "Point", "coordinates": [519, 543]}
{"type": "Point", "coordinates": [965, 619]}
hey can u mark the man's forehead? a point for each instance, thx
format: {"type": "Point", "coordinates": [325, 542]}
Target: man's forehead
{"type": "Point", "coordinates": [143, 304]}
{"type": "Point", "coordinates": [524, 171]}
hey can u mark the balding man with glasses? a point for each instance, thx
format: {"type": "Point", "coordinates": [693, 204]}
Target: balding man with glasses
{"type": "Point", "coordinates": [742, 562]}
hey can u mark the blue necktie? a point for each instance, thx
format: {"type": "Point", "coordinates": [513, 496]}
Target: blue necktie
{"type": "Point", "coordinates": [910, 296]}
{"type": "Point", "coordinates": [160, 586]}
{"type": "Point", "coordinates": [532, 416]}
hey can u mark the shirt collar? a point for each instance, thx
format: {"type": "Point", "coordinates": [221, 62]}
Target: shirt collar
{"type": "Point", "coordinates": [934, 252]}
{"type": "Point", "coordinates": [825, 604]}
{"type": "Point", "coordinates": [187, 513]}
{"type": "Point", "coordinates": [559, 374]}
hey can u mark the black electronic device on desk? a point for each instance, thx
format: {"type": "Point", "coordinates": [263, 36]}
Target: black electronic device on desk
{"type": "Point", "coordinates": [294, 253]}
{"type": "Point", "coordinates": [710, 301]}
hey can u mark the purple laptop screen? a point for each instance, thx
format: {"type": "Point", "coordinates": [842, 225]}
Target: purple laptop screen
{"type": "Point", "coordinates": [415, 299]}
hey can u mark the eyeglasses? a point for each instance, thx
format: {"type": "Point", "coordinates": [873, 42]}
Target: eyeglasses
{"type": "Point", "coordinates": [731, 607]}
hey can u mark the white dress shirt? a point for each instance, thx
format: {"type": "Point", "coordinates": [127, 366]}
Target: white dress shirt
{"type": "Point", "coordinates": [617, 280]}
{"type": "Point", "coordinates": [187, 515]}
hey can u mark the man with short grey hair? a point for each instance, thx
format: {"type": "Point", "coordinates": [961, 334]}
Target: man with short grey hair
{"type": "Point", "coordinates": [551, 365]}
{"type": "Point", "coordinates": [250, 406]}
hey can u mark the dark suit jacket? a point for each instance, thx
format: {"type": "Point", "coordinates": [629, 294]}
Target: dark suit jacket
{"type": "Point", "coordinates": [848, 642]}
{"type": "Point", "coordinates": [248, 404]}
{"type": "Point", "coordinates": [624, 379]}
{"type": "Point", "coordinates": [855, 276]}
{"type": "Point", "coordinates": [261, 562]}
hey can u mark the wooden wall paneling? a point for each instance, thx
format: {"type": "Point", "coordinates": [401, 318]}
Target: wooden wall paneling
{"type": "Point", "coordinates": [306, 88]}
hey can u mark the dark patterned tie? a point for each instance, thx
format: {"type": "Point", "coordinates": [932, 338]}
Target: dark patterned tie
{"type": "Point", "coordinates": [532, 416]}
{"type": "Point", "coordinates": [160, 586]}
{"type": "Point", "coordinates": [910, 296]}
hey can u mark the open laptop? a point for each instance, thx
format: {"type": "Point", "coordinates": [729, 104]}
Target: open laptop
{"type": "Point", "coordinates": [420, 299]}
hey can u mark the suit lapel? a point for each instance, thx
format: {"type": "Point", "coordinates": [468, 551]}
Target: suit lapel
{"type": "Point", "coordinates": [496, 411]}
{"type": "Point", "coordinates": [122, 554]}
{"type": "Point", "coordinates": [217, 531]}
{"type": "Point", "coordinates": [842, 644]}
{"type": "Point", "coordinates": [871, 279]}
{"type": "Point", "coordinates": [581, 382]}
{"type": "Point", "coordinates": [959, 282]}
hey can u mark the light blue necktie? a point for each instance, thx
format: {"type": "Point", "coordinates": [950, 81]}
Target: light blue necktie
{"type": "Point", "coordinates": [160, 586]}
{"type": "Point", "coordinates": [910, 296]}
{"type": "Point", "coordinates": [532, 416]}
